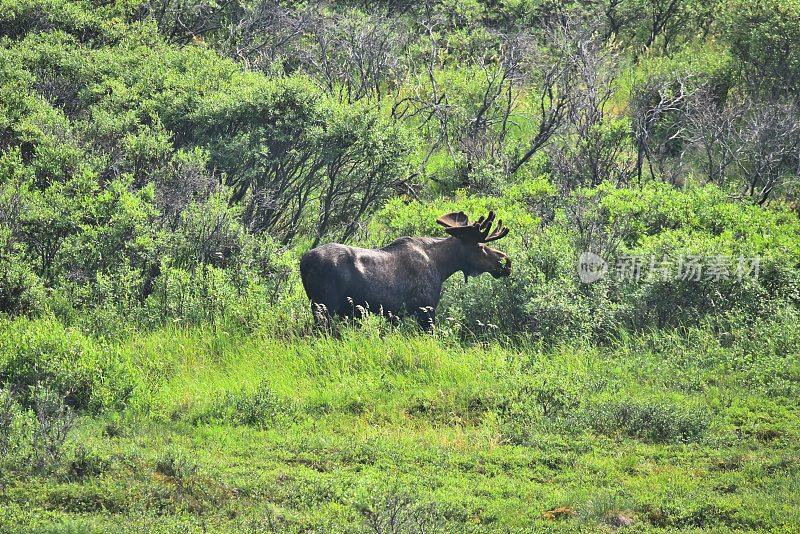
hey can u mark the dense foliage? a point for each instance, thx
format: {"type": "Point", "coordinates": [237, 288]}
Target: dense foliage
{"type": "Point", "coordinates": [164, 163]}
{"type": "Point", "coordinates": [170, 160]}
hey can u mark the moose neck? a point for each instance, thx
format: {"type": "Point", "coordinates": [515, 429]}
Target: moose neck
{"type": "Point", "coordinates": [447, 254]}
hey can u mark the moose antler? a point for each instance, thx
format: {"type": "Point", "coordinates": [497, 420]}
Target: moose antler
{"type": "Point", "coordinates": [457, 225]}
{"type": "Point", "coordinates": [457, 218]}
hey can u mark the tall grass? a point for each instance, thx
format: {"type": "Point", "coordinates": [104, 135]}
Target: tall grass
{"type": "Point", "coordinates": [393, 374]}
{"type": "Point", "coordinates": [316, 422]}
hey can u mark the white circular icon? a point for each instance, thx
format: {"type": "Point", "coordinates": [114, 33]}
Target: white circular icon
{"type": "Point", "coordinates": [591, 267]}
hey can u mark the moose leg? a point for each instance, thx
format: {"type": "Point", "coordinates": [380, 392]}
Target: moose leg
{"type": "Point", "coordinates": [322, 317]}
{"type": "Point", "coordinates": [426, 317]}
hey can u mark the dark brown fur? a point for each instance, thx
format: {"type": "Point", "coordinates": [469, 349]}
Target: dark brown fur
{"type": "Point", "coordinates": [402, 278]}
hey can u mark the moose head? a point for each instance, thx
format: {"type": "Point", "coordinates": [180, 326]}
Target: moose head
{"type": "Point", "coordinates": [478, 258]}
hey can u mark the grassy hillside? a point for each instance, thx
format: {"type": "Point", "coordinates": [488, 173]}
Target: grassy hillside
{"type": "Point", "coordinates": [165, 163]}
{"type": "Point", "coordinates": [284, 433]}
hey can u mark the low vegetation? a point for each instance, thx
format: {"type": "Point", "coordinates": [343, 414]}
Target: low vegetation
{"type": "Point", "coordinates": [273, 431]}
{"type": "Point", "coordinates": [164, 165]}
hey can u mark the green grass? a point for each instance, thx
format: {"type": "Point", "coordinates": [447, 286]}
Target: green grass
{"type": "Point", "coordinates": [269, 432]}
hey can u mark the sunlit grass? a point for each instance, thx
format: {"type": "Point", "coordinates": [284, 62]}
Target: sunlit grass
{"type": "Point", "coordinates": [670, 430]}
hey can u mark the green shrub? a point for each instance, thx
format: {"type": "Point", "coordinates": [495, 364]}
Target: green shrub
{"type": "Point", "coordinates": [54, 422]}
{"type": "Point", "coordinates": [20, 17]}
{"type": "Point", "coordinates": [650, 421]}
{"type": "Point", "coordinates": [765, 39]}
{"type": "Point", "coordinates": [85, 462]}
{"type": "Point", "coordinates": [391, 508]}
{"type": "Point", "coordinates": [176, 463]}
{"type": "Point", "coordinates": [259, 408]}
{"type": "Point", "coordinates": [16, 427]}
{"type": "Point", "coordinates": [43, 352]}
{"type": "Point", "coordinates": [36, 437]}
{"type": "Point", "coordinates": [657, 223]}
{"type": "Point", "coordinates": [21, 291]}
{"type": "Point", "coordinates": [538, 400]}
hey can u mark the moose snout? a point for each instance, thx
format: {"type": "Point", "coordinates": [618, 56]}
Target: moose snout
{"type": "Point", "coordinates": [506, 264]}
{"type": "Point", "coordinates": [504, 267]}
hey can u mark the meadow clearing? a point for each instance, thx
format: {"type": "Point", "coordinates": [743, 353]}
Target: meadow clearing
{"type": "Point", "coordinates": [394, 431]}
{"type": "Point", "coordinates": [165, 165]}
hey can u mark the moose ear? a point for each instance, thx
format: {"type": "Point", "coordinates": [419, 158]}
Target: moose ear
{"type": "Point", "coordinates": [455, 219]}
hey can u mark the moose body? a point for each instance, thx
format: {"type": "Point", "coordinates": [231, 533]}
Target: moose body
{"type": "Point", "coordinates": [402, 278]}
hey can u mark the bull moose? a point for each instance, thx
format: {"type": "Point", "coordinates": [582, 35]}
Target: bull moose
{"type": "Point", "coordinates": [403, 278]}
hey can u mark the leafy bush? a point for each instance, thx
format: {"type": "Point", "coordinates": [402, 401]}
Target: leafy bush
{"type": "Point", "coordinates": [55, 420]}
{"type": "Point", "coordinates": [16, 426]}
{"type": "Point", "coordinates": [650, 421]}
{"type": "Point", "coordinates": [540, 401]}
{"type": "Point", "coordinates": [259, 408]}
{"type": "Point", "coordinates": [392, 509]}
{"type": "Point", "coordinates": [765, 38]}
{"type": "Point", "coordinates": [18, 18]}
{"type": "Point", "coordinates": [36, 437]}
{"type": "Point", "coordinates": [43, 353]}
{"type": "Point", "coordinates": [21, 291]}
{"type": "Point", "coordinates": [670, 227]}
{"type": "Point", "coordinates": [85, 462]}
{"type": "Point", "coordinates": [176, 463]}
